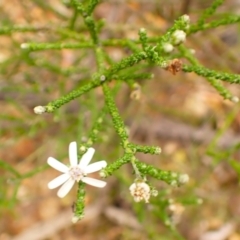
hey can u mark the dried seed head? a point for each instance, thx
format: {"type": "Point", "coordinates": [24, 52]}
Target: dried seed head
{"type": "Point", "coordinates": [174, 66]}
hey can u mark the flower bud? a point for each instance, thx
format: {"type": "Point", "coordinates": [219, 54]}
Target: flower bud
{"type": "Point", "coordinates": [167, 47]}
{"type": "Point", "coordinates": [186, 18]}
{"type": "Point", "coordinates": [178, 37]}
{"type": "Point", "coordinates": [184, 178]}
{"type": "Point", "coordinates": [24, 46]}
{"type": "Point", "coordinates": [235, 99]}
{"type": "Point", "coordinates": [39, 109]}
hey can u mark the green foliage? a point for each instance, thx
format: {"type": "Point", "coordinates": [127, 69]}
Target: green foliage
{"type": "Point", "coordinates": [108, 75]}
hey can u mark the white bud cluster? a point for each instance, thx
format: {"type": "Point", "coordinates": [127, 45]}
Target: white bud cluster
{"type": "Point", "coordinates": [184, 178]}
{"type": "Point", "coordinates": [235, 99]}
{"type": "Point", "coordinates": [24, 46]}
{"type": "Point", "coordinates": [154, 192]}
{"type": "Point", "coordinates": [102, 174]}
{"type": "Point", "coordinates": [75, 219]}
{"type": "Point", "coordinates": [178, 37]}
{"type": "Point", "coordinates": [82, 148]}
{"type": "Point", "coordinates": [192, 51]}
{"type": "Point", "coordinates": [186, 18]}
{"type": "Point", "coordinates": [168, 47]}
{"type": "Point", "coordinates": [102, 78]}
{"type": "Point", "coordinates": [142, 30]}
{"type": "Point", "coordinates": [39, 110]}
{"type": "Point", "coordinates": [158, 150]}
{"type": "Point", "coordinates": [199, 201]}
{"type": "Point", "coordinates": [164, 64]}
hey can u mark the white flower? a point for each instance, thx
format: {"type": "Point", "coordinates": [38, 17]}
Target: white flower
{"type": "Point", "coordinates": [76, 171]}
{"type": "Point", "coordinates": [140, 191]}
{"type": "Point", "coordinates": [178, 36]}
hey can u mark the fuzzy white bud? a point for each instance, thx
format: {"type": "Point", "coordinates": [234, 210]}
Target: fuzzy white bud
{"type": "Point", "coordinates": [178, 37]}
{"type": "Point", "coordinates": [102, 78]}
{"type": "Point", "coordinates": [186, 18]}
{"type": "Point", "coordinates": [164, 64]}
{"type": "Point", "coordinates": [24, 46]}
{"type": "Point", "coordinates": [84, 139]}
{"type": "Point", "coordinates": [142, 30]}
{"type": "Point", "coordinates": [154, 192]}
{"type": "Point", "coordinates": [184, 178]}
{"type": "Point", "coordinates": [174, 183]}
{"type": "Point", "coordinates": [235, 99]}
{"type": "Point", "coordinates": [75, 219]}
{"type": "Point", "coordinates": [39, 110]}
{"type": "Point", "coordinates": [158, 150]}
{"type": "Point", "coordinates": [82, 148]}
{"type": "Point", "coordinates": [192, 51]}
{"type": "Point", "coordinates": [167, 47]}
{"type": "Point", "coordinates": [102, 174]}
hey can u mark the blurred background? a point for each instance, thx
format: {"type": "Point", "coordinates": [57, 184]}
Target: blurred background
{"type": "Point", "coordinates": [196, 128]}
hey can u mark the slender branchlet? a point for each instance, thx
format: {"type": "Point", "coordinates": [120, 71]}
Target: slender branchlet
{"type": "Point", "coordinates": [116, 118]}
{"type": "Point", "coordinates": [209, 12]}
{"type": "Point", "coordinates": [88, 19]}
{"type": "Point", "coordinates": [78, 209]}
{"type": "Point", "coordinates": [111, 168]}
{"type": "Point", "coordinates": [208, 73]}
{"type": "Point", "coordinates": [231, 19]}
{"type": "Point", "coordinates": [224, 92]}
{"type": "Point", "coordinates": [172, 178]}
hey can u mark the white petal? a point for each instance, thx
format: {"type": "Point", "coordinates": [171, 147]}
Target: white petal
{"type": "Point", "coordinates": [57, 165]}
{"type": "Point", "coordinates": [73, 154]}
{"type": "Point", "coordinates": [86, 158]}
{"type": "Point", "coordinates": [65, 188]}
{"type": "Point", "coordinates": [94, 167]}
{"type": "Point", "coordinates": [94, 182]}
{"type": "Point", "coordinates": [56, 182]}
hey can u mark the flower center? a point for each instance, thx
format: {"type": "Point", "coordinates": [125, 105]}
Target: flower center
{"type": "Point", "coordinates": [139, 192]}
{"type": "Point", "coordinates": [76, 173]}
